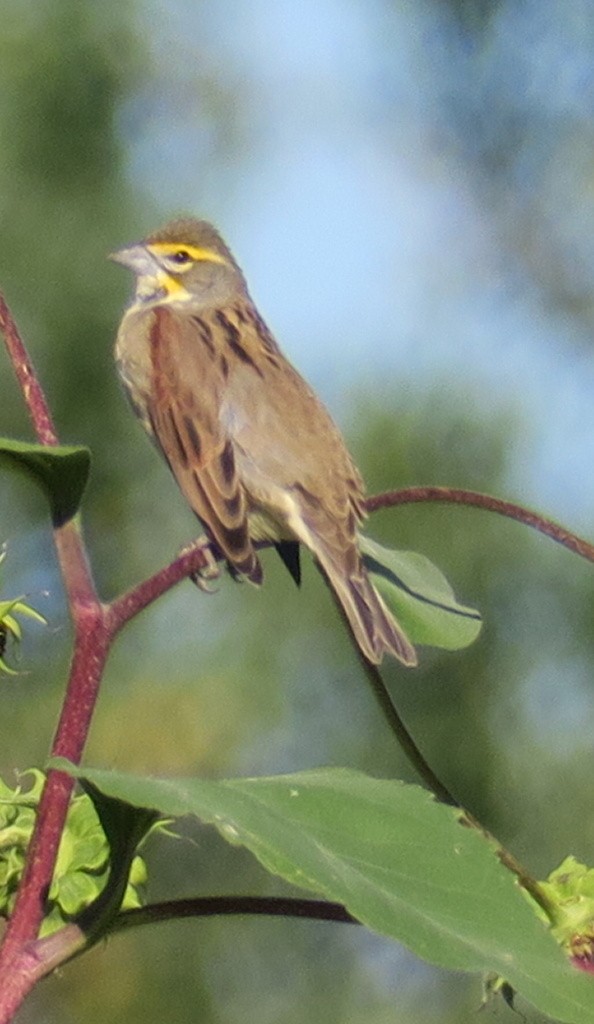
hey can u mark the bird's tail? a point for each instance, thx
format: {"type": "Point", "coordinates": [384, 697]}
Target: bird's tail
{"type": "Point", "coordinates": [374, 628]}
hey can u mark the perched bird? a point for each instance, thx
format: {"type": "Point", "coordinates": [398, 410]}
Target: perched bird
{"type": "Point", "coordinates": [252, 448]}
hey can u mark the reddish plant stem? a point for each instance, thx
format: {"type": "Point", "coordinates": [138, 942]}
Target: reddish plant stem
{"type": "Point", "coordinates": [197, 556]}
{"type": "Point", "coordinates": [17, 966]}
{"type": "Point", "coordinates": [23, 961]}
{"type": "Point", "coordinates": [94, 628]}
{"type": "Point", "coordinates": [457, 496]}
{"type": "Point", "coordinates": [91, 641]}
{"type": "Point", "coordinates": [37, 406]}
{"type": "Point", "coordinates": [139, 597]}
{"type": "Point", "coordinates": [135, 600]}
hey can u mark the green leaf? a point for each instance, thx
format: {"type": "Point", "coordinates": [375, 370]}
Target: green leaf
{"type": "Point", "coordinates": [74, 892]}
{"type": "Point", "coordinates": [569, 890]}
{"type": "Point", "coordinates": [125, 826]}
{"type": "Point", "coordinates": [401, 863]}
{"type": "Point", "coordinates": [11, 628]}
{"type": "Point", "coordinates": [420, 597]}
{"type": "Point", "coordinates": [18, 605]}
{"type": "Point", "coordinates": [83, 880]}
{"type": "Point", "coordinates": [62, 472]}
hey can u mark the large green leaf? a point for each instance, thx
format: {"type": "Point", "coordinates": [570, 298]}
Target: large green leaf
{"type": "Point", "coordinates": [62, 471]}
{"type": "Point", "coordinates": [420, 597]}
{"type": "Point", "coordinates": [401, 863]}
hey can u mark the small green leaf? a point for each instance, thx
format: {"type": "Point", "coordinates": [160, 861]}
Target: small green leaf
{"type": "Point", "coordinates": [62, 471]}
{"type": "Point", "coordinates": [420, 597]}
{"type": "Point", "coordinates": [75, 891]}
{"type": "Point", "coordinates": [83, 863]}
{"type": "Point", "coordinates": [18, 605]}
{"type": "Point", "coordinates": [569, 890]}
{"type": "Point", "coordinates": [401, 863]}
{"type": "Point", "coordinates": [10, 628]}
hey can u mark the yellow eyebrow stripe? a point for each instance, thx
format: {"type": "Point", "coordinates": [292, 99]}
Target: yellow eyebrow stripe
{"type": "Point", "coordinates": [197, 253]}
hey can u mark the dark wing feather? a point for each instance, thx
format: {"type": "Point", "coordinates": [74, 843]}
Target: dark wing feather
{"type": "Point", "coordinates": [289, 553]}
{"type": "Point", "coordinates": [183, 407]}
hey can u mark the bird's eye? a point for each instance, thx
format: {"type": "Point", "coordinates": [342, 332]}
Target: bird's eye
{"type": "Point", "coordinates": [181, 257]}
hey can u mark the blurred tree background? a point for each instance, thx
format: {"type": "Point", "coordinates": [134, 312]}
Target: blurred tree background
{"type": "Point", "coordinates": [409, 187]}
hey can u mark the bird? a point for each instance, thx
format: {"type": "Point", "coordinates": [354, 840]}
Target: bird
{"type": "Point", "coordinates": [254, 451]}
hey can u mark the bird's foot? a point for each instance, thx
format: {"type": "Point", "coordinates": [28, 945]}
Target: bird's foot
{"type": "Point", "coordinates": [203, 577]}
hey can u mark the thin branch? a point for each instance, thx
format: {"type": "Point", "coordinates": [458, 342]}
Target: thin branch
{"type": "Point", "coordinates": [405, 740]}
{"type": "Point", "coordinates": [37, 406]}
{"type": "Point", "coordinates": [135, 600]}
{"type": "Point", "coordinates": [390, 712]}
{"type": "Point", "coordinates": [209, 906]}
{"type": "Point", "coordinates": [41, 957]}
{"type": "Point", "coordinates": [139, 597]}
{"type": "Point", "coordinates": [194, 558]}
{"type": "Point", "coordinates": [457, 496]}
{"type": "Point", "coordinates": [391, 499]}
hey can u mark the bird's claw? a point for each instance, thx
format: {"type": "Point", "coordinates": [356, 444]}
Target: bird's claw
{"type": "Point", "coordinates": [203, 577]}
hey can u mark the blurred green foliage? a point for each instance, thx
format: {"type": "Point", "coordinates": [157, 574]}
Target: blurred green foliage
{"type": "Point", "coordinates": [246, 681]}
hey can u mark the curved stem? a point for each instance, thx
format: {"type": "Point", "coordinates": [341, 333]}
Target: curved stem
{"type": "Point", "coordinates": [404, 738]}
{"type": "Point", "coordinates": [511, 510]}
{"type": "Point", "coordinates": [191, 561]}
{"type": "Point", "coordinates": [474, 499]}
{"type": "Point", "coordinates": [390, 712]}
{"type": "Point", "coordinates": [208, 906]}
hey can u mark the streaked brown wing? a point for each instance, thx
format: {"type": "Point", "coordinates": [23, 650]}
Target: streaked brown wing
{"type": "Point", "coordinates": [285, 441]}
{"type": "Point", "coordinates": [187, 383]}
{"type": "Point", "coordinates": [294, 463]}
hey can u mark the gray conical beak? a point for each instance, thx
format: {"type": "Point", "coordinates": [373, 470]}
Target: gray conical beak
{"type": "Point", "coordinates": [136, 258]}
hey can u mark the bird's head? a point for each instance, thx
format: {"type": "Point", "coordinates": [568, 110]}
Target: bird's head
{"type": "Point", "coordinates": [186, 261]}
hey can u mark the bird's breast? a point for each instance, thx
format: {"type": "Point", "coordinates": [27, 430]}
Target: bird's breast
{"type": "Point", "coordinates": [133, 361]}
